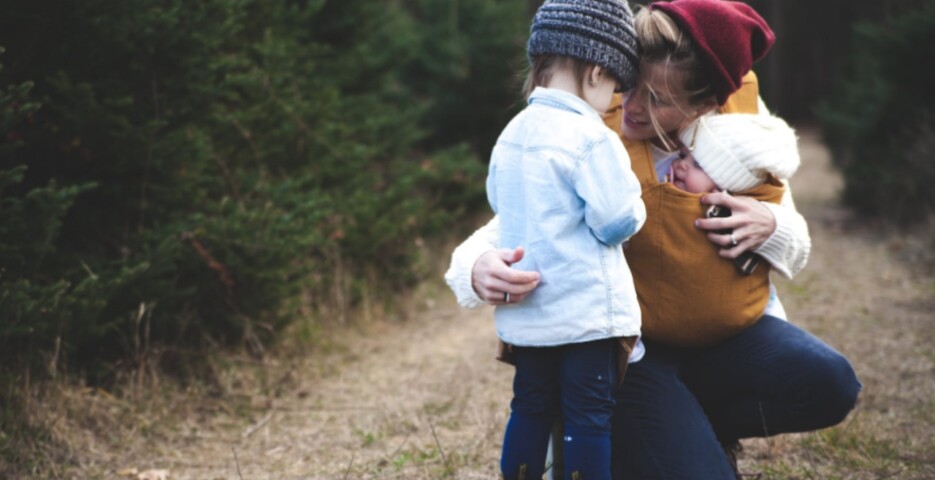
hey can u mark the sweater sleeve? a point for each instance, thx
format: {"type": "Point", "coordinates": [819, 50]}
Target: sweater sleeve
{"type": "Point", "coordinates": [463, 258]}
{"type": "Point", "coordinates": [787, 249]}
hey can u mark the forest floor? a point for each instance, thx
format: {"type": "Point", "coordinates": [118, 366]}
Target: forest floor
{"type": "Point", "coordinates": [423, 398]}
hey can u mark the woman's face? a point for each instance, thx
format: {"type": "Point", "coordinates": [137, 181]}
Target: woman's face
{"type": "Point", "coordinates": [654, 92]}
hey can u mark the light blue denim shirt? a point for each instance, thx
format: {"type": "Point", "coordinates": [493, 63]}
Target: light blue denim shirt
{"type": "Point", "coordinates": [561, 182]}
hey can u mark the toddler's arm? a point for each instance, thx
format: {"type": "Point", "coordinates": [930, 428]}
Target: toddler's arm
{"type": "Point", "coordinates": [614, 208]}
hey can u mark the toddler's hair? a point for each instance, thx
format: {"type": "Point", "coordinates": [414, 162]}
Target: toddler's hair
{"type": "Point", "coordinates": [542, 67]}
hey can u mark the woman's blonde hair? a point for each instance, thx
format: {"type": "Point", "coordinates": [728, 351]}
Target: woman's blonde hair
{"type": "Point", "coordinates": [662, 42]}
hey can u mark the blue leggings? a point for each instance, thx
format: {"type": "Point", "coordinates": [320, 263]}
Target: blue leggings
{"type": "Point", "coordinates": [574, 382]}
{"type": "Point", "coordinates": [678, 405]}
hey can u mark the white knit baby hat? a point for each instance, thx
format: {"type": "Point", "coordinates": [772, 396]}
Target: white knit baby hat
{"type": "Point", "coordinates": [738, 150]}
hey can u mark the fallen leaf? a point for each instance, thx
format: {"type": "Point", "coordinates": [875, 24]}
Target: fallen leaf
{"type": "Point", "coordinates": [128, 472]}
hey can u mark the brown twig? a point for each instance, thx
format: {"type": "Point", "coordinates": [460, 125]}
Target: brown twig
{"type": "Point", "coordinates": [442, 452]}
{"type": "Point", "coordinates": [258, 425]}
{"type": "Point", "coordinates": [224, 274]}
{"type": "Point", "coordinates": [769, 442]}
{"type": "Point", "coordinates": [237, 463]}
{"type": "Point", "coordinates": [400, 447]}
{"type": "Point", "coordinates": [349, 465]}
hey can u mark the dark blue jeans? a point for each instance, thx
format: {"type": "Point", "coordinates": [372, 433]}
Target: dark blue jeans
{"type": "Point", "coordinates": [678, 405]}
{"type": "Point", "coordinates": [574, 382]}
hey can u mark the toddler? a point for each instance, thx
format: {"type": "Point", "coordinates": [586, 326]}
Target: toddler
{"type": "Point", "coordinates": [562, 185]}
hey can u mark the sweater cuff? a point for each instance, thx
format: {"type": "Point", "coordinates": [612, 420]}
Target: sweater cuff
{"type": "Point", "coordinates": [775, 247]}
{"type": "Point", "coordinates": [458, 276]}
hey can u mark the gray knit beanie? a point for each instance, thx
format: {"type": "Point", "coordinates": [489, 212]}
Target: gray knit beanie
{"type": "Point", "coordinates": [599, 32]}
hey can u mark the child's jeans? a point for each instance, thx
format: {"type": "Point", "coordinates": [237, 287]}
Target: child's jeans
{"type": "Point", "coordinates": [574, 382]}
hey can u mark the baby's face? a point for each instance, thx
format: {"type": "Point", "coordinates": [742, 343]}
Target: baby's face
{"type": "Point", "coordinates": [688, 175]}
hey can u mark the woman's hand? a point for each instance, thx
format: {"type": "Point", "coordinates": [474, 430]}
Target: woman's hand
{"type": "Point", "coordinates": [752, 224]}
{"type": "Point", "coordinates": [492, 277]}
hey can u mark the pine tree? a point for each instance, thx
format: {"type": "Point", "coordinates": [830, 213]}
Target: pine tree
{"type": "Point", "coordinates": [881, 125]}
{"type": "Point", "coordinates": [197, 167]}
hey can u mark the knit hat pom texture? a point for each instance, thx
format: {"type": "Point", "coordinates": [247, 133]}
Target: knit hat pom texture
{"type": "Point", "coordinates": [599, 32]}
{"type": "Point", "coordinates": [739, 150]}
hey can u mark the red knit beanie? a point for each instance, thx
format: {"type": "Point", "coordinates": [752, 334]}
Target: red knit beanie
{"type": "Point", "coordinates": [730, 37]}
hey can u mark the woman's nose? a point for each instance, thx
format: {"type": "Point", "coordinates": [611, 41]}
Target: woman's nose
{"type": "Point", "coordinates": [633, 100]}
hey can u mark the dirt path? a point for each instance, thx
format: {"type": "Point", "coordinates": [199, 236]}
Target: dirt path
{"type": "Point", "coordinates": [424, 399]}
{"type": "Point", "coordinates": [428, 384]}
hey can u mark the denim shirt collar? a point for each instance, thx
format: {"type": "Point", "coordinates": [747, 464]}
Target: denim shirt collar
{"type": "Point", "coordinates": [561, 99]}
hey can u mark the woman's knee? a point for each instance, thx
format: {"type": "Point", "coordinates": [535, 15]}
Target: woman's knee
{"type": "Point", "coordinates": [837, 389]}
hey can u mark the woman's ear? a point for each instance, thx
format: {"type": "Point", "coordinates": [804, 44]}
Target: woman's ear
{"type": "Point", "coordinates": [699, 110]}
{"type": "Point", "coordinates": [706, 107]}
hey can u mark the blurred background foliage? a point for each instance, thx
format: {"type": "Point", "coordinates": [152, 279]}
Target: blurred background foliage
{"type": "Point", "coordinates": [880, 122]}
{"type": "Point", "coordinates": [180, 175]}
{"type": "Point", "coordinates": [177, 175]}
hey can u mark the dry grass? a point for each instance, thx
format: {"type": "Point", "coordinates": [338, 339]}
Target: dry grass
{"type": "Point", "coordinates": [391, 397]}
{"type": "Point", "coordinates": [424, 399]}
{"type": "Point", "coordinates": [870, 293]}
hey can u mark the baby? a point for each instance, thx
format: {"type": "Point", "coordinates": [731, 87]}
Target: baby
{"type": "Point", "coordinates": [735, 153]}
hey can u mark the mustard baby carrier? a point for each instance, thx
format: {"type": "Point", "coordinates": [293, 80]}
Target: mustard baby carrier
{"type": "Point", "coordinates": [688, 294]}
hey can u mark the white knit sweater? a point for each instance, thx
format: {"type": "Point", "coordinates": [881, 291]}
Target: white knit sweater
{"type": "Point", "coordinates": [786, 249]}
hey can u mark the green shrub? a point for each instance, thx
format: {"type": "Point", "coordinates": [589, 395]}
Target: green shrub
{"type": "Point", "coordinates": [881, 125]}
{"type": "Point", "coordinates": [195, 166]}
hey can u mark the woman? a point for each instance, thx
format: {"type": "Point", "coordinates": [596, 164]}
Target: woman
{"type": "Point", "coordinates": [682, 409]}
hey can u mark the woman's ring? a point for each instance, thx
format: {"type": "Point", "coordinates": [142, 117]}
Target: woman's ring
{"type": "Point", "coordinates": [733, 239]}
{"type": "Point", "coordinates": [506, 297]}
